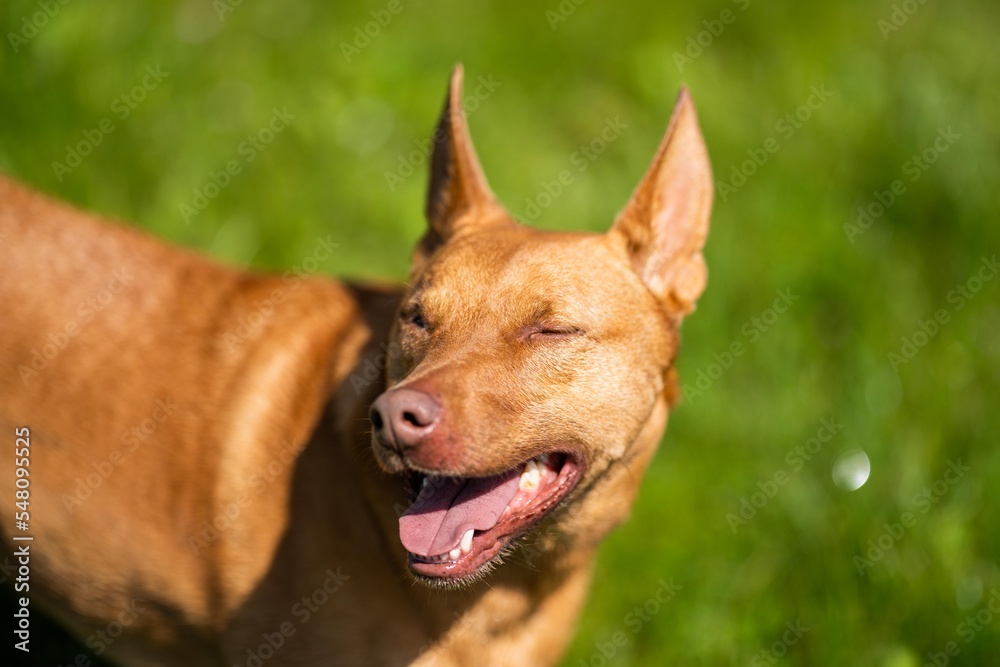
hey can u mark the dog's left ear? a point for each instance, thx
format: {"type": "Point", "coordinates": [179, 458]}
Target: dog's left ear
{"type": "Point", "coordinates": [458, 196]}
{"type": "Point", "coordinates": [665, 223]}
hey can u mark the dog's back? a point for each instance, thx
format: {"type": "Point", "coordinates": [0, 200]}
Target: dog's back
{"type": "Point", "coordinates": [139, 370]}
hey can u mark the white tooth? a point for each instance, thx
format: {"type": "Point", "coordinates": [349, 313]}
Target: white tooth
{"type": "Point", "coordinates": [455, 553]}
{"type": "Point", "coordinates": [543, 459]}
{"type": "Point", "coordinates": [530, 477]}
{"type": "Point", "coordinates": [466, 545]}
{"type": "Point", "coordinates": [424, 483]}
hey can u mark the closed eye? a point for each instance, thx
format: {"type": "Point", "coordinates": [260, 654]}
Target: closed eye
{"type": "Point", "coordinates": [542, 333]}
{"type": "Point", "coordinates": [414, 316]}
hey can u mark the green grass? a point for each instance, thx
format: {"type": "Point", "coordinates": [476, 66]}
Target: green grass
{"type": "Point", "coordinates": [783, 229]}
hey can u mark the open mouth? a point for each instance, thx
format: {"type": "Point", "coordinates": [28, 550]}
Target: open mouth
{"type": "Point", "coordinates": [458, 525]}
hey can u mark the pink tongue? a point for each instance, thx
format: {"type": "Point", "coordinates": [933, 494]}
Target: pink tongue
{"type": "Point", "coordinates": [447, 507]}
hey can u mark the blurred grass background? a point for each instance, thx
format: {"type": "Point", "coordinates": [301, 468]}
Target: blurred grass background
{"type": "Point", "coordinates": [563, 71]}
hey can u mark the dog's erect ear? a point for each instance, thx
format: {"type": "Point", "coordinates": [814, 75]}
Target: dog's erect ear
{"type": "Point", "coordinates": [666, 221]}
{"type": "Point", "coordinates": [458, 193]}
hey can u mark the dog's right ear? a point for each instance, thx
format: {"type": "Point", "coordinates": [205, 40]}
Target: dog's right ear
{"type": "Point", "coordinates": [458, 195]}
{"type": "Point", "coordinates": [665, 223]}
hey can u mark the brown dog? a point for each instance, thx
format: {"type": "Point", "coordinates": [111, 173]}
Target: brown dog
{"type": "Point", "coordinates": [202, 485]}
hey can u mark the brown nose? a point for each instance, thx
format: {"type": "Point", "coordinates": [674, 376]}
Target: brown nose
{"type": "Point", "coordinates": [402, 417]}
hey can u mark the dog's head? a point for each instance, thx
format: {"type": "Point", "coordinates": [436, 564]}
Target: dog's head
{"type": "Point", "coordinates": [535, 369]}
